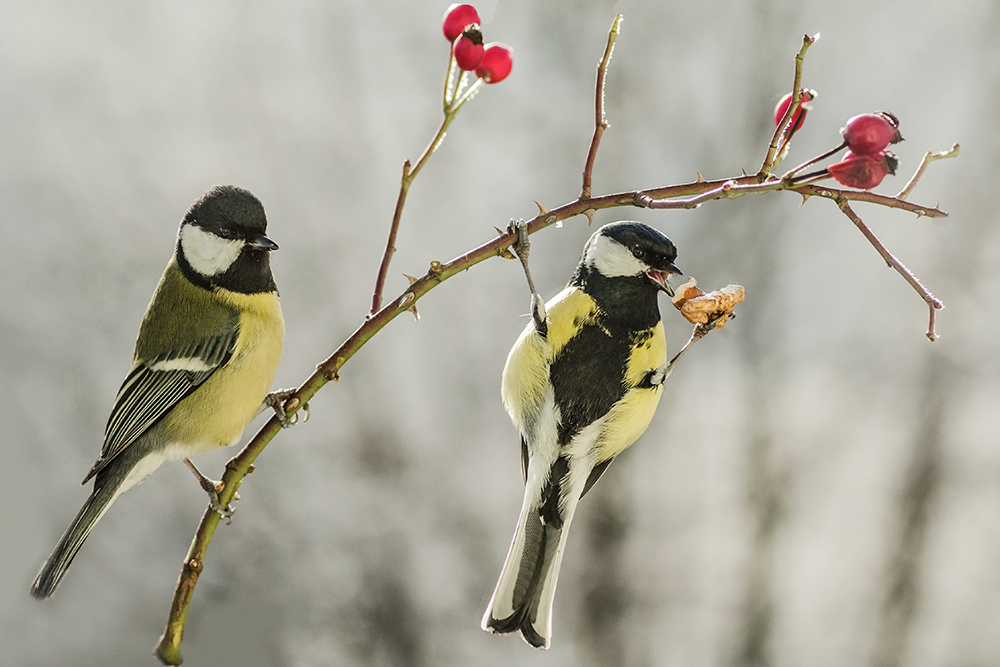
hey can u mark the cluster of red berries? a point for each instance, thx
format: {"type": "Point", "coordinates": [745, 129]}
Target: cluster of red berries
{"type": "Point", "coordinates": [866, 137]}
{"type": "Point", "coordinates": [492, 62]}
{"type": "Point", "coordinates": [866, 161]}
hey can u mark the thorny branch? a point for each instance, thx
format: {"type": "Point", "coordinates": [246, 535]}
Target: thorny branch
{"type": "Point", "coordinates": [703, 191]}
{"type": "Point", "coordinates": [687, 195]}
{"type": "Point", "coordinates": [451, 106]}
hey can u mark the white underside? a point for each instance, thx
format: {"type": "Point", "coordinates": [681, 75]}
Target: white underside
{"type": "Point", "coordinates": [581, 452]}
{"type": "Point", "coordinates": [147, 465]}
{"type": "Point", "coordinates": [543, 448]}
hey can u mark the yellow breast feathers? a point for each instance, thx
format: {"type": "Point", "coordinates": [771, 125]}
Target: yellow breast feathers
{"type": "Point", "coordinates": [630, 416]}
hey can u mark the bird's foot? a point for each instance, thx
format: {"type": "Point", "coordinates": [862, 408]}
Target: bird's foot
{"type": "Point", "coordinates": [213, 488]}
{"type": "Point", "coordinates": [521, 247]}
{"type": "Point", "coordinates": [658, 376]}
{"type": "Point", "coordinates": [276, 400]}
{"type": "Point", "coordinates": [225, 512]}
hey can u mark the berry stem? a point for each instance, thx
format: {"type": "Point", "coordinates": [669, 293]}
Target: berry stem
{"type": "Point", "coordinates": [466, 96]}
{"type": "Point", "coordinates": [816, 159]}
{"type": "Point", "coordinates": [449, 83]}
{"type": "Point", "coordinates": [811, 177]}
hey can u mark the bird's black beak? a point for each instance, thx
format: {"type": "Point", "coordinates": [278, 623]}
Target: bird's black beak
{"type": "Point", "coordinates": [263, 243]}
{"type": "Point", "coordinates": [659, 277]}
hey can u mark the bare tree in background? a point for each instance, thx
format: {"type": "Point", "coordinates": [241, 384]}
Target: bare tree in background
{"type": "Point", "coordinates": [941, 385]}
{"type": "Point", "coordinates": [758, 240]}
{"type": "Point", "coordinates": [608, 594]}
{"type": "Point", "coordinates": [921, 483]}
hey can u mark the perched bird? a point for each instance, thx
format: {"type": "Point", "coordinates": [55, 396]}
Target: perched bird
{"type": "Point", "coordinates": [581, 384]}
{"type": "Point", "coordinates": [206, 355]}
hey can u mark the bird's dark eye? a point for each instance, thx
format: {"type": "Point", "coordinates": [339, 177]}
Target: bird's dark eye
{"type": "Point", "coordinates": [639, 254]}
{"type": "Point", "coordinates": [227, 232]}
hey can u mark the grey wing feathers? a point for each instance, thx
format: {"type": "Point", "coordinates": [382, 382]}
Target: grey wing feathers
{"type": "Point", "coordinates": [154, 386]}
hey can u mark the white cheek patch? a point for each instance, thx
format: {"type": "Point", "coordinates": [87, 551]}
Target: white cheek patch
{"type": "Point", "coordinates": [613, 259]}
{"type": "Point", "coordinates": [208, 254]}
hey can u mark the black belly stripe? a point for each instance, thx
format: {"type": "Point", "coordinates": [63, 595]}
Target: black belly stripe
{"type": "Point", "coordinates": [588, 377]}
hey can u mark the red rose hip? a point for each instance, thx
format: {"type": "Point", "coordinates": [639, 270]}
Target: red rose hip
{"type": "Point", "coordinates": [497, 62]}
{"type": "Point", "coordinates": [863, 171]}
{"type": "Point", "coordinates": [456, 18]}
{"type": "Point", "coordinates": [799, 116]}
{"type": "Point", "coordinates": [870, 133]}
{"type": "Point", "coordinates": [468, 48]}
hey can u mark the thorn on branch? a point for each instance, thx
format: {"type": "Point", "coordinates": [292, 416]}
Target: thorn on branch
{"type": "Point", "coordinates": [839, 195]}
{"type": "Point", "coordinates": [505, 251]}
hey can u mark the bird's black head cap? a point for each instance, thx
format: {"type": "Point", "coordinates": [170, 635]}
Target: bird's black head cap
{"type": "Point", "coordinates": [624, 265]}
{"type": "Point", "coordinates": [648, 245]}
{"type": "Point", "coordinates": [221, 242]}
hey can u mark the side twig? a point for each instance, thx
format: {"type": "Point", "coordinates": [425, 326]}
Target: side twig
{"type": "Point", "coordinates": [928, 158]}
{"type": "Point", "coordinates": [451, 107]}
{"type": "Point", "coordinates": [772, 157]}
{"type": "Point", "coordinates": [600, 121]}
{"type": "Point", "coordinates": [934, 304]}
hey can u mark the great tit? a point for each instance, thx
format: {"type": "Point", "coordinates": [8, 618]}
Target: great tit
{"type": "Point", "coordinates": [581, 384]}
{"type": "Point", "coordinates": [206, 355]}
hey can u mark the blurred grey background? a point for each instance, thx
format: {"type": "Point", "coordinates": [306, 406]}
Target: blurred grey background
{"type": "Point", "coordinates": [820, 486]}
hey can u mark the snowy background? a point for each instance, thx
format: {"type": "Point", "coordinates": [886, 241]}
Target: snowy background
{"type": "Point", "coordinates": [820, 486]}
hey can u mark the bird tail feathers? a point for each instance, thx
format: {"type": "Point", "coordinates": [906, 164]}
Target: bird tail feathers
{"type": "Point", "coordinates": [69, 544]}
{"type": "Point", "coordinates": [524, 595]}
